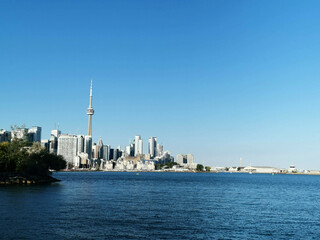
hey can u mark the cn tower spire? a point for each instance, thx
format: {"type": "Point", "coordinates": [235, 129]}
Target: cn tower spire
{"type": "Point", "coordinates": [90, 105]}
{"type": "Point", "coordinates": [90, 112]}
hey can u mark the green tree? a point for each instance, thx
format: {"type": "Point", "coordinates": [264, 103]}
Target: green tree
{"type": "Point", "coordinates": [18, 157]}
{"type": "Point", "coordinates": [199, 167]}
{"type": "Point", "coordinates": [158, 166]}
{"type": "Point", "coordinates": [24, 140]}
{"type": "Point", "coordinates": [38, 163]}
{"type": "Point", "coordinates": [7, 163]}
{"type": "Point", "coordinates": [36, 147]}
{"type": "Point", "coordinates": [171, 164]}
{"type": "Point", "coordinates": [56, 162]}
{"type": "Point", "coordinates": [208, 168]}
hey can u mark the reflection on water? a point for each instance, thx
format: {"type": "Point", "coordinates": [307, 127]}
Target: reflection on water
{"type": "Point", "coordinates": [101, 205]}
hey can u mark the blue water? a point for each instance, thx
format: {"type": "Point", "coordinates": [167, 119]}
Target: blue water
{"type": "Point", "coordinates": [104, 205]}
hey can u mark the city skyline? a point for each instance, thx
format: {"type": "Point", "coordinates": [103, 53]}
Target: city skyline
{"type": "Point", "coordinates": [221, 80]}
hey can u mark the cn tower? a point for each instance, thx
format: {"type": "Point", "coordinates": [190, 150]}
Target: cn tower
{"type": "Point", "coordinates": [90, 112]}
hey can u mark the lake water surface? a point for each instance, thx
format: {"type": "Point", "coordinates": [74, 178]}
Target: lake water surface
{"type": "Point", "coordinates": [118, 205]}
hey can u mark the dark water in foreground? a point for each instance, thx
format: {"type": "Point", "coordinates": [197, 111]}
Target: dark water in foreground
{"type": "Point", "coordinates": [98, 205]}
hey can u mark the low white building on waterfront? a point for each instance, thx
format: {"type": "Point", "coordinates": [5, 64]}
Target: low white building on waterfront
{"type": "Point", "coordinates": [218, 169]}
{"type": "Point", "coordinates": [123, 164]}
{"type": "Point", "coordinates": [108, 165]}
{"type": "Point", "coordinates": [292, 169]}
{"type": "Point", "coordinates": [261, 169]}
{"type": "Point", "coordinates": [233, 169]}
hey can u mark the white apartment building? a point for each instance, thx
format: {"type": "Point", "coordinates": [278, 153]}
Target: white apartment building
{"type": "Point", "coordinates": [68, 147]}
{"type": "Point", "coordinates": [186, 160]}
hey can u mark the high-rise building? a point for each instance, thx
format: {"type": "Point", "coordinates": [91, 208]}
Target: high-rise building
{"type": "Point", "coordinates": [106, 152]}
{"type": "Point", "coordinates": [45, 143]}
{"type": "Point", "coordinates": [80, 143]}
{"type": "Point", "coordinates": [186, 160]}
{"type": "Point", "coordinates": [56, 133]}
{"type": "Point", "coordinates": [159, 150]}
{"type": "Point", "coordinates": [95, 151]}
{"type": "Point", "coordinates": [90, 112]}
{"type": "Point", "coordinates": [5, 136]}
{"type": "Point", "coordinates": [190, 158]}
{"type": "Point", "coordinates": [127, 151]}
{"type": "Point", "coordinates": [115, 154]}
{"type": "Point", "coordinates": [19, 133]}
{"type": "Point", "coordinates": [152, 146]}
{"type": "Point", "coordinates": [34, 134]}
{"type": "Point", "coordinates": [138, 148]}
{"type": "Point", "coordinates": [111, 154]}
{"type": "Point", "coordinates": [100, 149]}
{"type": "Point", "coordinates": [67, 147]}
{"type": "Point", "coordinates": [88, 146]}
{"type": "Point", "coordinates": [53, 145]}
{"type": "Point", "coordinates": [132, 149]}
{"type": "Point", "coordinates": [182, 159]}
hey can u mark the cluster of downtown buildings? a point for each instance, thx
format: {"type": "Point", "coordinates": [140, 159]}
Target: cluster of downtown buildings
{"type": "Point", "coordinates": [81, 152]}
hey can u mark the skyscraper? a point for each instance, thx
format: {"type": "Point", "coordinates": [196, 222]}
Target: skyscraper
{"type": "Point", "coordinates": [80, 143]}
{"type": "Point", "coordinates": [100, 148]}
{"type": "Point", "coordinates": [115, 154]}
{"type": "Point", "coordinates": [140, 149]}
{"type": "Point", "coordinates": [68, 147]}
{"type": "Point", "coordinates": [127, 151]}
{"type": "Point", "coordinates": [45, 143]}
{"type": "Point", "coordinates": [56, 133]}
{"type": "Point", "coordinates": [138, 145]}
{"type": "Point", "coordinates": [88, 146]}
{"type": "Point", "coordinates": [53, 147]}
{"type": "Point", "coordinates": [34, 134]}
{"type": "Point", "coordinates": [90, 112]}
{"type": "Point", "coordinates": [19, 133]}
{"type": "Point", "coordinates": [5, 136]}
{"type": "Point", "coordinates": [152, 146]}
{"type": "Point", "coordinates": [95, 151]}
{"type": "Point", "coordinates": [159, 150]}
{"type": "Point", "coordinates": [106, 152]}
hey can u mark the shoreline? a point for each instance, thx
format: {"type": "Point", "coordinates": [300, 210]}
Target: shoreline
{"type": "Point", "coordinates": [189, 171]}
{"type": "Point", "coordinates": [26, 180]}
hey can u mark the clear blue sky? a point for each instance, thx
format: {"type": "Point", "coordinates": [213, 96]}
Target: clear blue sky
{"type": "Point", "coordinates": [219, 79]}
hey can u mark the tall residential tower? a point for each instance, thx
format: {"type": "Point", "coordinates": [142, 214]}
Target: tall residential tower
{"type": "Point", "coordinates": [90, 112]}
{"type": "Point", "coordinates": [153, 146]}
{"type": "Point", "coordinates": [138, 145]}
